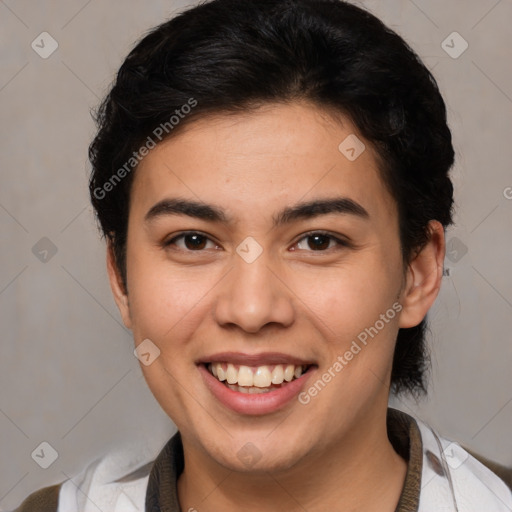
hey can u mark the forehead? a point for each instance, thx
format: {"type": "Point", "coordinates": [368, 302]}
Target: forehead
{"type": "Point", "coordinates": [252, 162]}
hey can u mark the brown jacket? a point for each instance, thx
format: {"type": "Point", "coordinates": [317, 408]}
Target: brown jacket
{"type": "Point", "coordinates": [166, 468]}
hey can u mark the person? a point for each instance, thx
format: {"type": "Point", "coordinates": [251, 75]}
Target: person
{"type": "Point", "coordinates": [272, 180]}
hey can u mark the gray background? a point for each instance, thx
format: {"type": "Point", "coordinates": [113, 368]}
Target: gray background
{"type": "Point", "coordinates": [67, 371]}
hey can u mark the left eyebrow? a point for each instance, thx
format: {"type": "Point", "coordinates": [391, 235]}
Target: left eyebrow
{"type": "Point", "coordinates": [299, 211]}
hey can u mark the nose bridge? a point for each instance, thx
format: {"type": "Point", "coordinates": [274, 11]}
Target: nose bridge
{"type": "Point", "coordinates": [252, 296]}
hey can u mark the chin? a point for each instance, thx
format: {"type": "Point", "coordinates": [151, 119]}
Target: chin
{"type": "Point", "coordinates": [259, 454]}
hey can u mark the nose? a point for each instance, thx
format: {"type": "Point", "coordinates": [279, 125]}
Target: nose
{"type": "Point", "coordinates": [253, 295]}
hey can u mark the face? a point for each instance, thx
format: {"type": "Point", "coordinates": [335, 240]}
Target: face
{"type": "Point", "coordinates": [259, 286]}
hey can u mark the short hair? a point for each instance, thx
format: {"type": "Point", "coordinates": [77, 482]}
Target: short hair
{"type": "Point", "coordinates": [232, 56]}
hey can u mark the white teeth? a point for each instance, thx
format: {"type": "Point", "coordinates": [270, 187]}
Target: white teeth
{"type": "Point", "coordinates": [288, 373]}
{"type": "Point", "coordinates": [244, 376]}
{"type": "Point", "coordinates": [262, 377]}
{"type": "Point", "coordinates": [231, 374]}
{"type": "Point", "coordinates": [248, 391]}
{"type": "Point", "coordinates": [221, 374]}
{"type": "Point", "coordinates": [250, 378]}
{"type": "Point", "coordinates": [278, 375]}
{"type": "Point", "coordinates": [242, 389]}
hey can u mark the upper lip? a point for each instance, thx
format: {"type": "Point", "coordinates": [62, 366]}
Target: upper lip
{"type": "Point", "coordinates": [260, 359]}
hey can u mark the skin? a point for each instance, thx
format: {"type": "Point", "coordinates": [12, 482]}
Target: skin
{"type": "Point", "coordinates": [292, 299]}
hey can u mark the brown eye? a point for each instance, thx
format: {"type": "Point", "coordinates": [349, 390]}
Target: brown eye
{"type": "Point", "coordinates": [319, 241]}
{"type": "Point", "coordinates": [192, 241]}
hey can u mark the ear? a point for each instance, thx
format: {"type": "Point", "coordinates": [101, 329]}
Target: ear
{"type": "Point", "coordinates": [423, 280]}
{"type": "Point", "coordinates": [116, 284]}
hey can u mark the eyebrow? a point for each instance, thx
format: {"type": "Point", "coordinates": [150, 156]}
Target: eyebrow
{"type": "Point", "coordinates": [299, 211]}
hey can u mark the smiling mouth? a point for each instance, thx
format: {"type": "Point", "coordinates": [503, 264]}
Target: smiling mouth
{"type": "Point", "coordinates": [259, 379]}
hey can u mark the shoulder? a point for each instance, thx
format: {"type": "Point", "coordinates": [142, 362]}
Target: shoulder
{"type": "Point", "coordinates": [504, 472]}
{"type": "Point", "coordinates": [42, 500]}
{"type": "Point", "coordinates": [449, 470]}
{"type": "Point", "coordinates": [115, 481]}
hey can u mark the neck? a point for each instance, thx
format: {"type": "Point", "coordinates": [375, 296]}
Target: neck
{"type": "Point", "coordinates": [361, 472]}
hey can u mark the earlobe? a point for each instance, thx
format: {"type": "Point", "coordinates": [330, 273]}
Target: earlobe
{"type": "Point", "coordinates": [424, 276]}
{"type": "Point", "coordinates": [116, 285]}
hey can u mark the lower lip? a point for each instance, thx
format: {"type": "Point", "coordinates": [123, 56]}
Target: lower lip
{"type": "Point", "coordinates": [257, 403]}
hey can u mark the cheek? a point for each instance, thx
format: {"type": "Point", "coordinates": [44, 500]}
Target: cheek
{"type": "Point", "coordinates": [350, 297]}
{"type": "Point", "coordinates": [164, 300]}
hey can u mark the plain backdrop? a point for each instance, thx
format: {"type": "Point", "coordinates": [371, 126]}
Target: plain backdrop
{"type": "Point", "coordinates": [68, 375]}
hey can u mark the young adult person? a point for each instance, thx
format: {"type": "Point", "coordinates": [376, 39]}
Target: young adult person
{"type": "Point", "coordinates": [272, 179]}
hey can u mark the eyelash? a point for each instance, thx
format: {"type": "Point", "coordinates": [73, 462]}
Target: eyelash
{"type": "Point", "coordinates": [309, 234]}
